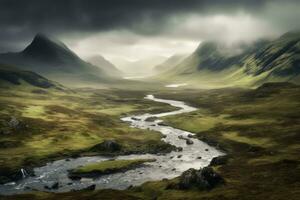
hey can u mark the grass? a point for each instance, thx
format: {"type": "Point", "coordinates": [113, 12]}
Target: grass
{"type": "Point", "coordinates": [263, 142]}
{"type": "Point", "coordinates": [110, 166]}
{"type": "Point", "coordinates": [259, 129]}
{"type": "Point", "coordinates": [56, 124]}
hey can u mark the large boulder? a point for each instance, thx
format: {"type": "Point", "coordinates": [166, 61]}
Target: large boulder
{"type": "Point", "coordinates": [107, 146]}
{"type": "Point", "coordinates": [220, 160]}
{"type": "Point", "coordinates": [203, 179]}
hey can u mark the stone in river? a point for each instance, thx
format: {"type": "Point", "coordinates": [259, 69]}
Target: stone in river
{"type": "Point", "coordinates": [189, 142]}
{"type": "Point", "coordinates": [179, 149]}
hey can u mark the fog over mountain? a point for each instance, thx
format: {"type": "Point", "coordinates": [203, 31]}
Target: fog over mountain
{"type": "Point", "coordinates": [137, 30]}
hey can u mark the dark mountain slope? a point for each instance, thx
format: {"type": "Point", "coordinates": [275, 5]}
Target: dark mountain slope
{"type": "Point", "coordinates": [263, 61]}
{"type": "Point", "coordinates": [54, 60]}
{"type": "Point", "coordinates": [14, 76]}
{"type": "Point", "coordinates": [281, 56]}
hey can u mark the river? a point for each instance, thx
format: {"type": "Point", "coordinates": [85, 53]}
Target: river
{"type": "Point", "coordinates": [169, 165]}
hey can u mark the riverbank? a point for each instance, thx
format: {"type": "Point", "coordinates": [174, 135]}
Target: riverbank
{"type": "Point", "coordinates": [37, 128]}
{"type": "Point", "coordinates": [190, 153]}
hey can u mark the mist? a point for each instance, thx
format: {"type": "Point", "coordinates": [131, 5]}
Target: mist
{"type": "Point", "coordinates": [136, 32]}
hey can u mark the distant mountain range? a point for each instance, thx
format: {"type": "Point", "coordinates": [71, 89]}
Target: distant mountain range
{"type": "Point", "coordinates": [142, 67]}
{"type": "Point", "coordinates": [211, 64]}
{"type": "Point", "coordinates": [104, 65]}
{"type": "Point", "coordinates": [263, 61]}
{"type": "Point", "coordinates": [54, 60]}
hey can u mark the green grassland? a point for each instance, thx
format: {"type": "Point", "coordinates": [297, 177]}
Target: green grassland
{"type": "Point", "coordinates": [59, 123]}
{"type": "Point", "coordinates": [258, 129]}
{"type": "Point", "coordinates": [109, 166]}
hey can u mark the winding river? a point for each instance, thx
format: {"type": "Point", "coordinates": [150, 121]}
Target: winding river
{"type": "Point", "coordinates": [170, 165]}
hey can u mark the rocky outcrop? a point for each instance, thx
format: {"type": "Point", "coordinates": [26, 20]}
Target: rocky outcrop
{"type": "Point", "coordinates": [203, 179]}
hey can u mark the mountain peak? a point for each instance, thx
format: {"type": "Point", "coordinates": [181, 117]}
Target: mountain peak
{"type": "Point", "coordinates": [46, 48]}
{"type": "Point", "coordinates": [206, 48]}
{"type": "Point", "coordinates": [291, 35]}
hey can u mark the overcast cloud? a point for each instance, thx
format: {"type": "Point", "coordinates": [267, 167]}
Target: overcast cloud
{"type": "Point", "coordinates": [136, 29]}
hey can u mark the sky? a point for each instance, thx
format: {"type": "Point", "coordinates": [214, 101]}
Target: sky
{"type": "Point", "coordinates": [132, 30]}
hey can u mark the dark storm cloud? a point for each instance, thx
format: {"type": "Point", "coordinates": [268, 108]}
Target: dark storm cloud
{"type": "Point", "coordinates": [20, 20]}
{"type": "Point", "coordinates": [100, 15]}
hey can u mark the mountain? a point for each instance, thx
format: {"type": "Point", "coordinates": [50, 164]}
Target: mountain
{"type": "Point", "coordinates": [54, 60]}
{"type": "Point", "coordinates": [263, 61]}
{"type": "Point", "coordinates": [279, 60]}
{"type": "Point", "coordinates": [105, 65]}
{"type": "Point", "coordinates": [142, 67]}
{"type": "Point", "coordinates": [169, 63]}
{"type": "Point", "coordinates": [12, 76]}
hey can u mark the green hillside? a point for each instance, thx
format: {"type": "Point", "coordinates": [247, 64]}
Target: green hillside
{"type": "Point", "coordinates": [212, 65]}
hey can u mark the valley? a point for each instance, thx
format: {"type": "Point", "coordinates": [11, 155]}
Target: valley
{"type": "Point", "coordinates": [137, 115]}
{"type": "Point", "coordinates": [247, 124]}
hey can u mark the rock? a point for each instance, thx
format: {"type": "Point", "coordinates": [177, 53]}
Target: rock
{"type": "Point", "coordinates": [179, 156]}
{"type": "Point", "coordinates": [203, 179]}
{"type": "Point", "coordinates": [191, 136]}
{"type": "Point", "coordinates": [221, 160]}
{"type": "Point", "coordinates": [108, 146]}
{"type": "Point", "coordinates": [173, 169]}
{"type": "Point", "coordinates": [151, 119]}
{"type": "Point", "coordinates": [136, 119]}
{"type": "Point", "coordinates": [189, 142]}
{"type": "Point", "coordinates": [89, 188]}
{"type": "Point", "coordinates": [14, 123]}
{"type": "Point", "coordinates": [27, 188]}
{"type": "Point", "coordinates": [162, 124]}
{"type": "Point", "coordinates": [199, 157]}
{"type": "Point", "coordinates": [55, 186]}
{"type": "Point", "coordinates": [206, 149]}
{"type": "Point", "coordinates": [74, 177]}
{"type": "Point", "coordinates": [179, 149]}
